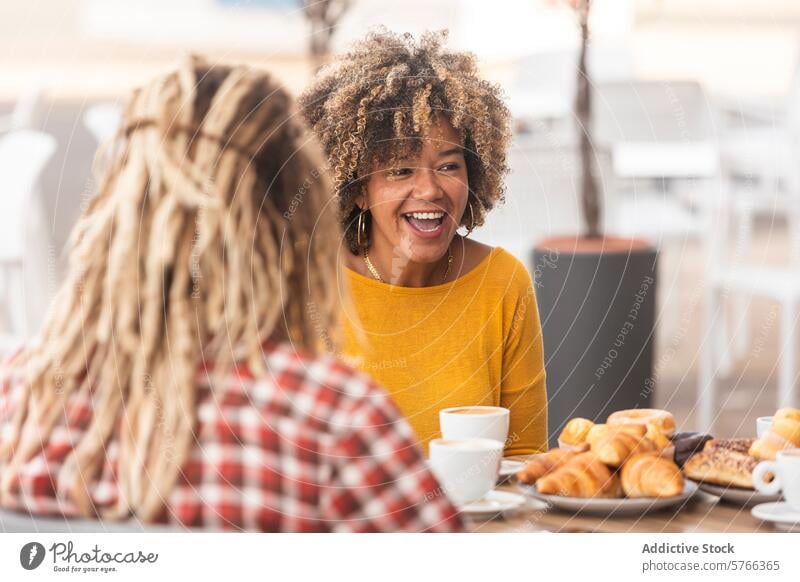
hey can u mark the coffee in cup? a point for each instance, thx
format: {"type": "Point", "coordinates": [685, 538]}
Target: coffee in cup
{"type": "Point", "coordinates": [466, 469]}
{"type": "Point", "coordinates": [463, 422]}
{"type": "Point", "coordinates": [786, 469]}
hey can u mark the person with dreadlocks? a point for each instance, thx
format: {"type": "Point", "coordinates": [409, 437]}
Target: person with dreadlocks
{"type": "Point", "coordinates": [180, 376]}
{"type": "Point", "coordinates": [417, 143]}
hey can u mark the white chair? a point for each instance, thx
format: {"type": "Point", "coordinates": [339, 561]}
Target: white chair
{"type": "Point", "coordinates": [662, 144]}
{"type": "Point", "coordinates": [729, 276]}
{"type": "Point", "coordinates": [759, 159]}
{"type": "Point", "coordinates": [102, 120]}
{"type": "Point", "coordinates": [24, 236]}
{"type": "Point", "coordinates": [23, 116]}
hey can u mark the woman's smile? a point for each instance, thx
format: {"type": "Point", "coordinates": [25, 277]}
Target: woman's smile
{"type": "Point", "coordinates": [427, 225]}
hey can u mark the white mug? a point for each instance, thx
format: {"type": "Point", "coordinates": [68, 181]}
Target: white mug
{"type": "Point", "coordinates": [466, 422]}
{"type": "Point", "coordinates": [466, 469]}
{"type": "Point", "coordinates": [763, 423]}
{"type": "Point", "coordinates": [786, 468]}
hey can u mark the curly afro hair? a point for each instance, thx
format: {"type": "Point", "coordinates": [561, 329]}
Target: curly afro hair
{"type": "Point", "coordinates": [372, 105]}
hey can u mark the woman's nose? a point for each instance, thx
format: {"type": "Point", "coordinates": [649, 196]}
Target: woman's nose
{"type": "Point", "coordinates": [427, 185]}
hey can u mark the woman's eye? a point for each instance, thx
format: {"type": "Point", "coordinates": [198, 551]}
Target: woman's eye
{"type": "Point", "coordinates": [399, 172]}
{"type": "Point", "coordinates": [449, 167]}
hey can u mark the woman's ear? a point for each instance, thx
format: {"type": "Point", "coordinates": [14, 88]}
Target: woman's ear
{"type": "Point", "coordinates": [360, 200]}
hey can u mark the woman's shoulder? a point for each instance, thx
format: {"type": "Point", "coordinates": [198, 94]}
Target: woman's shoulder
{"type": "Point", "coordinates": [501, 266]}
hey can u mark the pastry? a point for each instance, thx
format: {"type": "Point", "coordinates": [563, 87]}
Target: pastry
{"type": "Point", "coordinates": [721, 466]}
{"type": "Point", "coordinates": [545, 463]}
{"type": "Point", "coordinates": [584, 475]}
{"type": "Point", "coordinates": [737, 445]}
{"type": "Point", "coordinates": [687, 444]}
{"type": "Point", "coordinates": [600, 432]}
{"type": "Point", "coordinates": [651, 476]}
{"type": "Point", "coordinates": [784, 433]}
{"type": "Point", "coordinates": [787, 428]}
{"type": "Point", "coordinates": [789, 413]}
{"type": "Point", "coordinates": [575, 432]}
{"type": "Point", "coordinates": [767, 447]}
{"type": "Point", "coordinates": [662, 419]}
{"type": "Point", "coordinates": [661, 441]}
{"type": "Point", "coordinates": [620, 446]}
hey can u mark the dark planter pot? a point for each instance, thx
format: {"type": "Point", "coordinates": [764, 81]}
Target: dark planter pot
{"type": "Point", "coordinates": [597, 303]}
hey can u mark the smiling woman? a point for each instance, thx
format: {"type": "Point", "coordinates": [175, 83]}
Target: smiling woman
{"type": "Point", "coordinates": [417, 146]}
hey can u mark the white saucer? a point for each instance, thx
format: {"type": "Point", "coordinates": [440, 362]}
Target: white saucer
{"type": "Point", "coordinates": [779, 514]}
{"type": "Point", "coordinates": [509, 468]}
{"type": "Point", "coordinates": [622, 506]}
{"type": "Point", "coordinates": [494, 503]}
{"type": "Point", "coordinates": [737, 495]}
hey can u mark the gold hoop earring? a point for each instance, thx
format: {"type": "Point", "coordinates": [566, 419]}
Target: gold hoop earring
{"type": "Point", "coordinates": [361, 227]}
{"type": "Point", "coordinates": [471, 218]}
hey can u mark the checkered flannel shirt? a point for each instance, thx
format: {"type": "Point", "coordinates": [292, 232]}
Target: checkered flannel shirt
{"type": "Point", "coordinates": [313, 446]}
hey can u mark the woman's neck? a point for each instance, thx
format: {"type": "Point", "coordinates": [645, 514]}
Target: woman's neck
{"type": "Point", "coordinates": [394, 267]}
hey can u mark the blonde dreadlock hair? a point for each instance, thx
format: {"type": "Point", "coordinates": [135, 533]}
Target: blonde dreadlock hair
{"type": "Point", "coordinates": [212, 193]}
{"type": "Point", "coordinates": [372, 105]}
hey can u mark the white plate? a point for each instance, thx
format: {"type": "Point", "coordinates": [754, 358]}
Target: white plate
{"type": "Point", "coordinates": [618, 507]}
{"type": "Point", "coordinates": [495, 502]}
{"type": "Point", "coordinates": [737, 495]}
{"type": "Point", "coordinates": [509, 468]}
{"type": "Point", "coordinates": [779, 514]}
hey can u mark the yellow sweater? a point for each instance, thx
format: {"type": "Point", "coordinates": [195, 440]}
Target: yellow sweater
{"type": "Point", "coordinates": [474, 341]}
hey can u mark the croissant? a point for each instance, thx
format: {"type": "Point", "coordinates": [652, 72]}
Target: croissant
{"type": "Point", "coordinates": [767, 447]}
{"type": "Point", "coordinates": [661, 440]}
{"type": "Point", "coordinates": [651, 476]}
{"type": "Point", "coordinates": [584, 475]}
{"type": "Point", "coordinates": [600, 432]}
{"type": "Point", "coordinates": [541, 465]}
{"type": "Point", "coordinates": [788, 429]}
{"type": "Point", "coordinates": [575, 431]}
{"type": "Point", "coordinates": [783, 434]}
{"type": "Point", "coordinates": [620, 446]}
{"type": "Point", "coordinates": [790, 413]}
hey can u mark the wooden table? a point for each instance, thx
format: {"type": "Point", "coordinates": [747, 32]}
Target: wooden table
{"type": "Point", "coordinates": [703, 513]}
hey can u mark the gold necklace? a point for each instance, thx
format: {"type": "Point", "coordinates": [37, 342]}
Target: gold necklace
{"type": "Point", "coordinates": [374, 272]}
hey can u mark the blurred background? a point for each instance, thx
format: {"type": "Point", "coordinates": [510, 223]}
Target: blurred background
{"type": "Point", "coordinates": [695, 133]}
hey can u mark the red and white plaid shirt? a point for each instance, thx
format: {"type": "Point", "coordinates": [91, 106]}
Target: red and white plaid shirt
{"type": "Point", "coordinates": [314, 446]}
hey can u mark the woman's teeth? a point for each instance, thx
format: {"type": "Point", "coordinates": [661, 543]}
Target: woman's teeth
{"type": "Point", "coordinates": [425, 221]}
{"type": "Point", "coordinates": [426, 215]}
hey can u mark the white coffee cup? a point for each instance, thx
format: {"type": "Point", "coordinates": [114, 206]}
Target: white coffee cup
{"type": "Point", "coordinates": [466, 422]}
{"type": "Point", "coordinates": [762, 425]}
{"type": "Point", "coordinates": [786, 468]}
{"type": "Point", "coordinates": [467, 469]}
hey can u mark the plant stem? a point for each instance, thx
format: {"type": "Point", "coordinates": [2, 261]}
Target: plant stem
{"type": "Point", "coordinates": [590, 191]}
